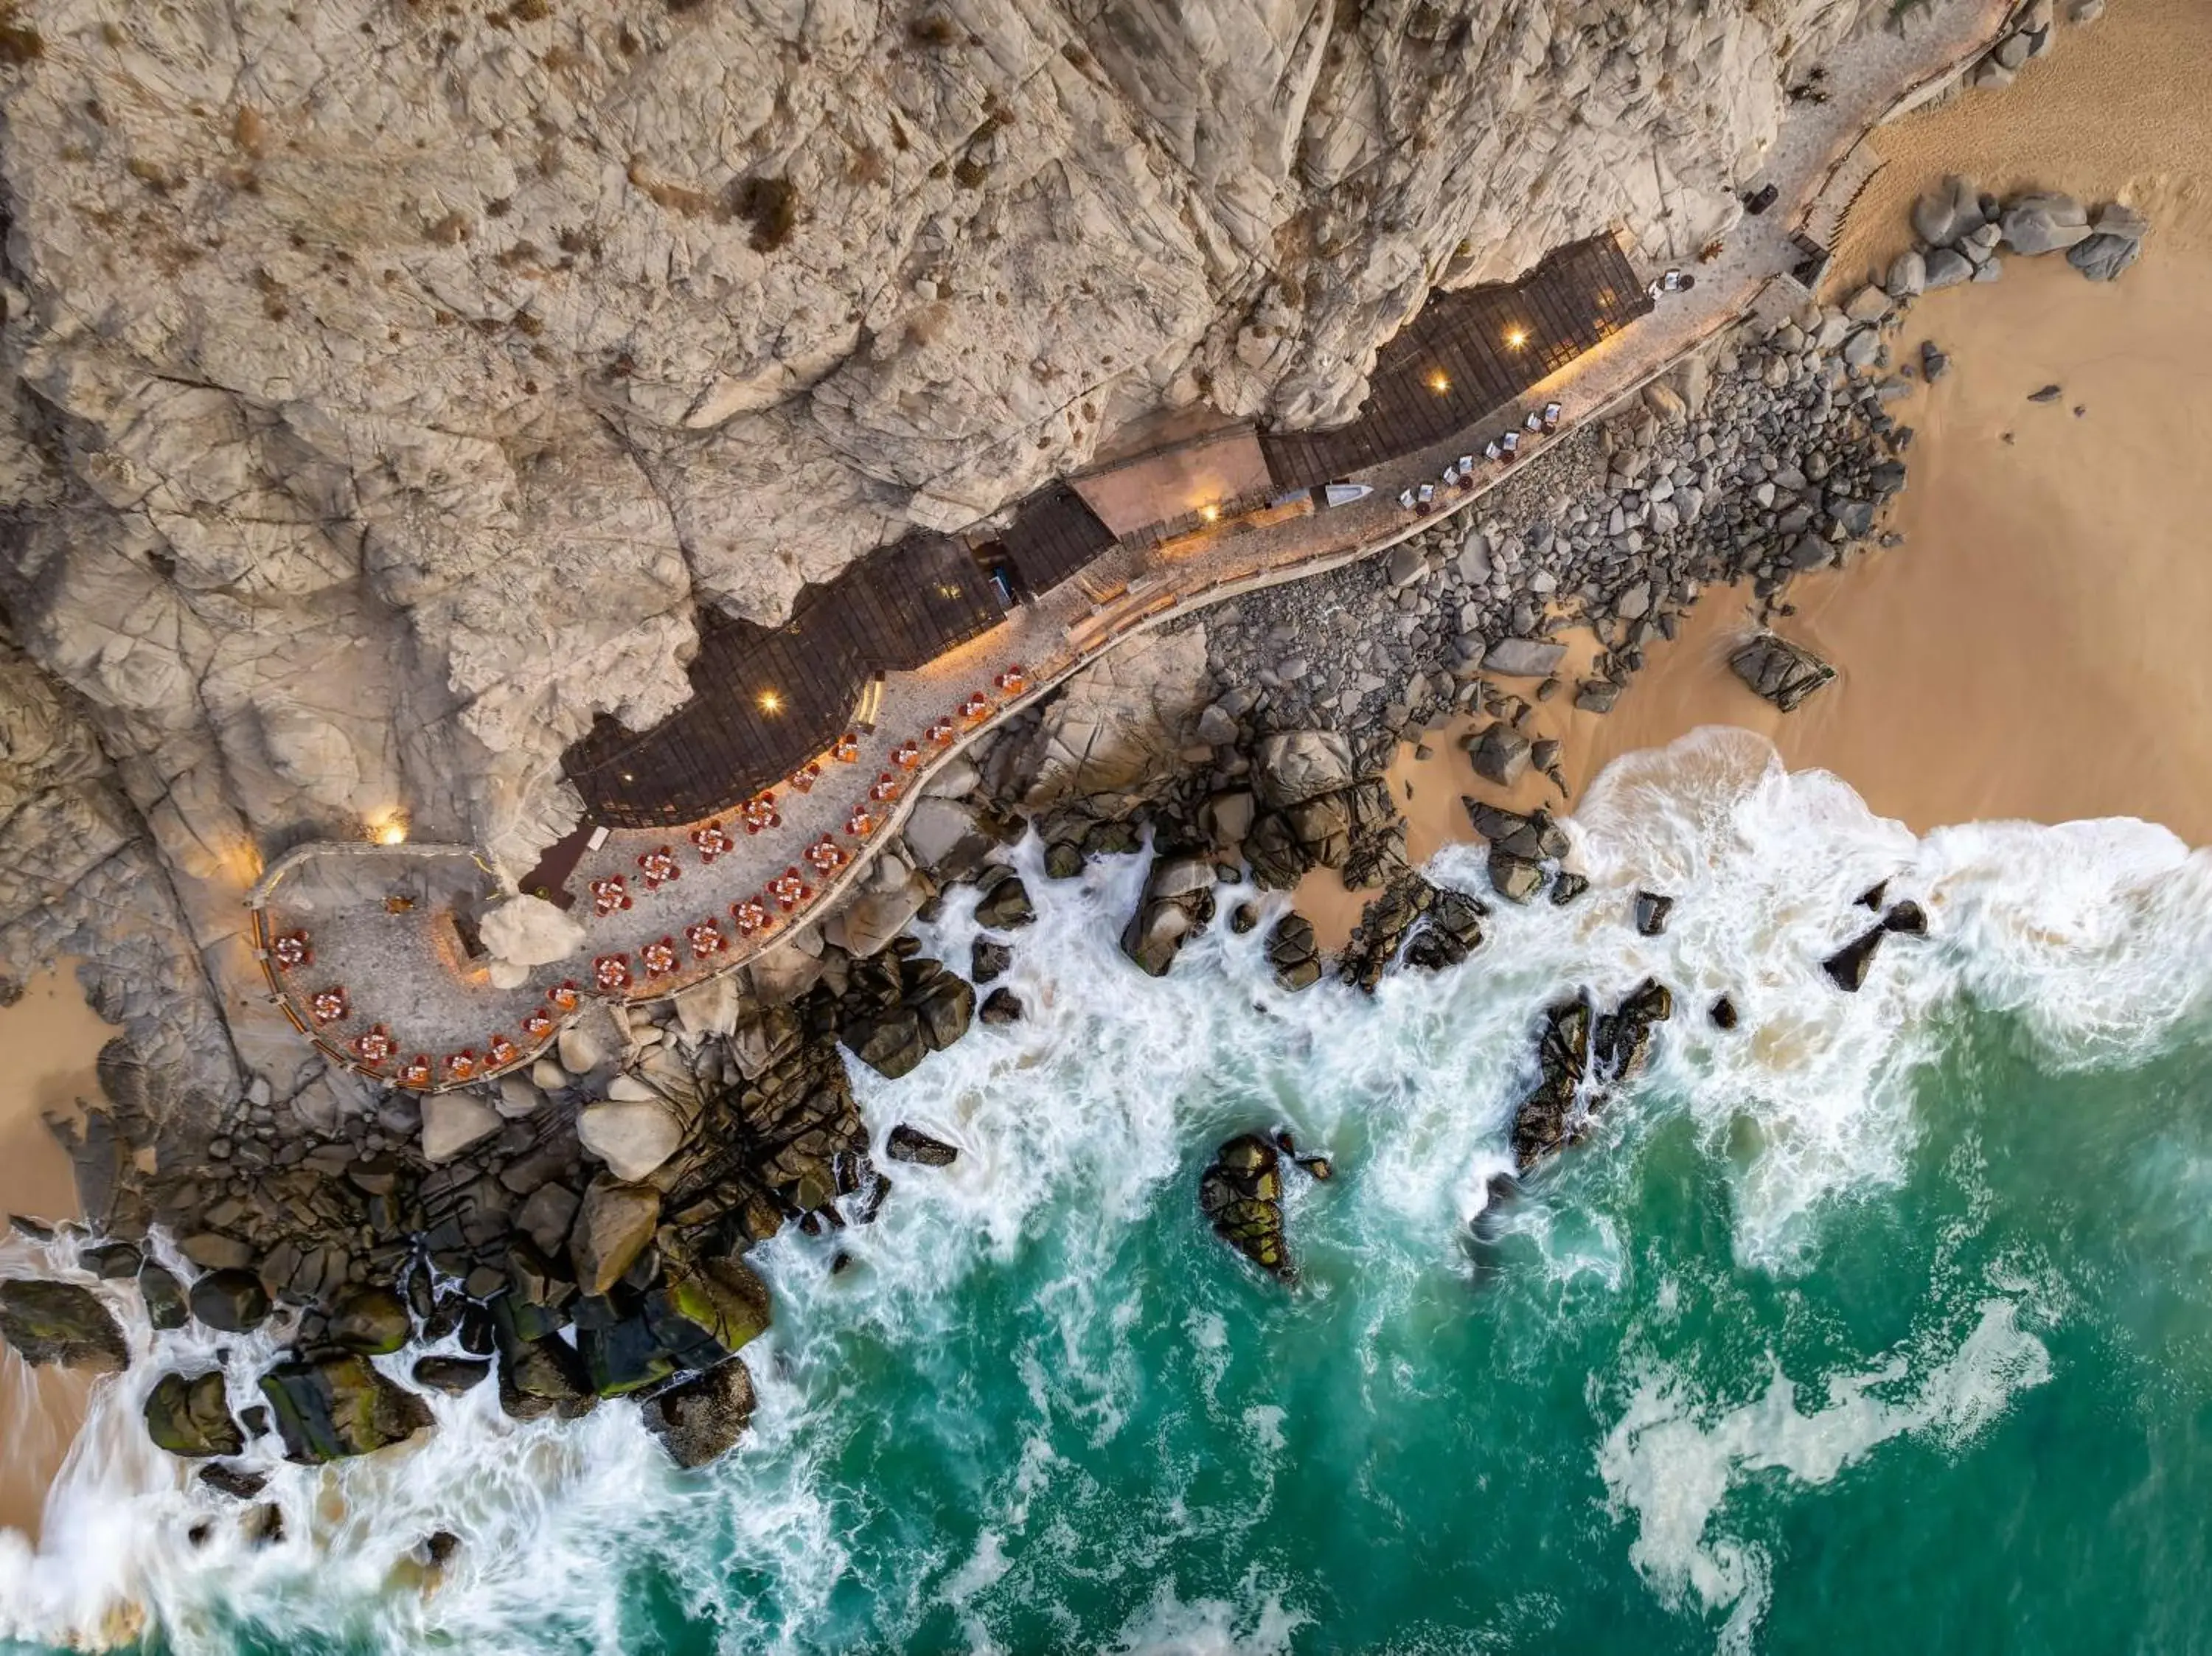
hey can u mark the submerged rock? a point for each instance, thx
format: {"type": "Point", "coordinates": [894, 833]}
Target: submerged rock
{"type": "Point", "coordinates": [61, 1323]}
{"type": "Point", "coordinates": [335, 1405]}
{"type": "Point", "coordinates": [1241, 1191]}
{"type": "Point", "coordinates": [700, 1420]}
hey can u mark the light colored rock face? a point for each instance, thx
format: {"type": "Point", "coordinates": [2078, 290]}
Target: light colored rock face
{"type": "Point", "coordinates": [385, 386]}
{"type": "Point", "coordinates": [454, 1121]}
{"type": "Point", "coordinates": [530, 931]}
{"type": "Point", "coordinates": [1118, 725]}
{"type": "Point", "coordinates": [633, 1137]}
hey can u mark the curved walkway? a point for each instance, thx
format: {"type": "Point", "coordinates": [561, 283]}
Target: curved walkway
{"type": "Point", "coordinates": [407, 974]}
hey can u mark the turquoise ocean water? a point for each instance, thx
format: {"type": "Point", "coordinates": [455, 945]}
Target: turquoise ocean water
{"type": "Point", "coordinates": [1884, 1321]}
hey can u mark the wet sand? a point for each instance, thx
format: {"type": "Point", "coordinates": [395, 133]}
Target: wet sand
{"type": "Point", "coordinates": [2035, 649]}
{"type": "Point", "coordinates": [52, 1039]}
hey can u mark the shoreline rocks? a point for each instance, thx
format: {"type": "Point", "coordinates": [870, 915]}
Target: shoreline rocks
{"type": "Point", "coordinates": [1241, 1192]}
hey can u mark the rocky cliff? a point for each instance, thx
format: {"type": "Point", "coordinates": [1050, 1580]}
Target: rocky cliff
{"type": "Point", "coordinates": [387, 381]}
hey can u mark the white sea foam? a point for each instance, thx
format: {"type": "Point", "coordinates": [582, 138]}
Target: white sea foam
{"type": "Point", "coordinates": [1075, 1125]}
{"type": "Point", "coordinates": [1673, 1457]}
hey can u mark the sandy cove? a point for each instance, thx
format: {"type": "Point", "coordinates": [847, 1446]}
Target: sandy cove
{"type": "Point", "coordinates": [2034, 649]}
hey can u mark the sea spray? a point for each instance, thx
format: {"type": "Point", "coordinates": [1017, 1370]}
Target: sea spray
{"type": "Point", "coordinates": [1042, 1407]}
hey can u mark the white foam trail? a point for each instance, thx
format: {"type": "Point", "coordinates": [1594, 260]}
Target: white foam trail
{"type": "Point", "coordinates": [1672, 1458]}
{"type": "Point", "coordinates": [1167, 1626]}
{"type": "Point", "coordinates": [1076, 1124]}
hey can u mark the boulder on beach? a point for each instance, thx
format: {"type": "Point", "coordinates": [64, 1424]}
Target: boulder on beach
{"type": "Point", "coordinates": [632, 1137]}
{"type": "Point", "coordinates": [192, 1418]}
{"type": "Point", "coordinates": [1241, 1192]}
{"type": "Point", "coordinates": [60, 1323]}
{"type": "Point", "coordinates": [1946, 212]}
{"type": "Point", "coordinates": [2044, 223]}
{"type": "Point", "coordinates": [1500, 755]}
{"type": "Point", "coordinates": [700, 1420]}
{"type": "Point", "coordinates": [1294, 953]}
{"type": "Point", "coordinates": [1781, 672]}
{"type": "Point", "coordinates": [613, 1224]}
{"type": "Point", "coordinates": [335, 1405]}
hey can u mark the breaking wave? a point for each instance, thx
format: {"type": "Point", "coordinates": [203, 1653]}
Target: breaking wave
{"type": "Point", "coordinates": [1042, 1408]}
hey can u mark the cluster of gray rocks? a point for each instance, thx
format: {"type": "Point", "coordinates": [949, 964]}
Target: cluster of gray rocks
{"type": "Point", "coordinates": [1962, 232]}
{"type": "Point", "coordinates": [1770, 458]}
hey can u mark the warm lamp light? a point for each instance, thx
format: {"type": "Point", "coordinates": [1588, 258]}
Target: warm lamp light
{"type": "Point", "coordinates": [770, 702]}
{"type": "Point", "coordinates": [1439, 383]}
{"type": "Point", "coordinates": [1517, 338]}
{"type": "Point", "coordinates": [390, 830]}
{"type": "Point", "coordinates": [1210, 511]}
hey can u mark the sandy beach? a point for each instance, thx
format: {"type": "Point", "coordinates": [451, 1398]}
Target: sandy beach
{"type": "Point", "coordinates": [2034, 650]}
{"type": "Point", "coordinates": [52, 1039]}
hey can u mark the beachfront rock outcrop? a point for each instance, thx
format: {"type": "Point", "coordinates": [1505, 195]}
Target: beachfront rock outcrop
{"type": "Point", "coordinates": [334, 1405]}
{"type": "Point", "coordinates": [191, 1417]}
{"type": "Point", "coordinates": [1240, 1191]}
{"type": "Point", "coordinates": [1296, 766]}
{"type": "Point", "coordinates": [632, 1137]}
{"type": "Point", "coordinates": [2044, 223]}
{"type": "Point", "coordinates": [1780, 671]}
{"type": "Point", "coordinates": [1522, 847]}
{"type": "Point", "coordinates": [700, 1420]}
{"type": "Point", "coordinates": [1499, 754]}
{"type": "Point", "coordinates": [1848, 966]}
{"type": "Point", "coordinates": [1945, 214]}
{"type": "Point", "coordinates": [1001, 1007]}
{"type": "Point", "coordinates": [61, 1323]}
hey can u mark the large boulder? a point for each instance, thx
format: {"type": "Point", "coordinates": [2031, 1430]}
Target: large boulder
{"type": "Point", "coordinates": [542, 1377]}
{"type": "Point", "coordinates": [166, 1308]}
{"type": "Point", "coordinates": [1005, 904]}
{"type": "Point", "coordinates": [694, 1320]}
{"type": "Point", "coordinates": [1781, 672]}
{"type": "Point", "coordinates": [1620, 1045]}
{"type": "Point", "coordinates": [1177, 903]}
{"type": "Point", "coordinates": [372, 1321]}
{"type": "Point", "coordinates": [1947, 212]}
{"type": "Point", "coordinates": [2044, 223]}
{"type": "Point", "coordinates": [452, 1122]}
{"type": "Point", "coordinates": [1293, 952]}
{"type": "Point", "coordinates": [1294, 766]}
{"type": "Point", "coordinates": [1241, 1192]}
{"type": "Point", "coordinates": [454, 1376]}
{"type": "Point", "coordinates": [61, 1323]}
{"type": "Point", "coordinates": [1546, 1120]}
{"type": "Point", "coordinates": [230, 1302]}
{"type": "Point", "coordinates": [700, 1420]}
{"type": "Point", "coordinates": [1500, 755]}
{"type": "Point", "coordinates": [336, 1405]}
{"type": "Point", "coordinates": [632, 1137]}
{"type": "Point", "coordinates": [613, 1224]}
{"type": "Point", "coordinates": [192, 1418]}
{"type": "Point", "coordinates": [897, 1010]}
{"type": "Point", "coordinates": [528, 930]}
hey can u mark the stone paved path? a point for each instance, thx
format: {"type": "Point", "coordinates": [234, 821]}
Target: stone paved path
{"type": "Point", "coordinates": [408, 971]}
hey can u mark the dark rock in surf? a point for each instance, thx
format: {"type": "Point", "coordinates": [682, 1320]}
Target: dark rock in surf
{"type": "Point", "coordinates": [1292, 951]}
{"type": "Point", "coordinates": [1872, 896]}
{"type": "Point", "coordinates": [1542, 1126]}
{"type": "Point", "coordinates": [1567, 887]}
{"type": "Point", "coordinates": [371, 1320]}
{"type": "Point", "coordinates": [1620, 1045]}
{"type": "Point", "coordinates": [454, 1376]}
{"type": "Point", "coordinates": [1241, 1192]}
{"type": "Point", "coordinates": [233, 1481]}
{"type": "Point", "coordinates": [912, 1144]}
{"type": "Point", "coordinates": [230, 1302]}
{"type": "Point", "coordinates": [61, 1323]}
{"type": "Point", "coordinates": [699, 1420]}
{"type": "Point", "coordinates": [1001, 1007]}
{"type": "Point", "coordinates": [192, 1418]}
{"type": "Point", "coordinates": [988, 960]}
{"type": "Point", "coordinates": [1652, 912]}
{"type": "Point", "coordinates": [1005, 903]}
{"type": "Point", "coordinates": [166, 1308]}
{"type": "Point", "coordinates": [1848, 966]}
{"type": "Point", "coordinates": [1722, 1013]}
{"type": "Point", "coordinates": [1176, 905]}
{"type": "Point", "coordinates": [336, 1405]}
{"type": "Point", "coordinates": [1906, 919]}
